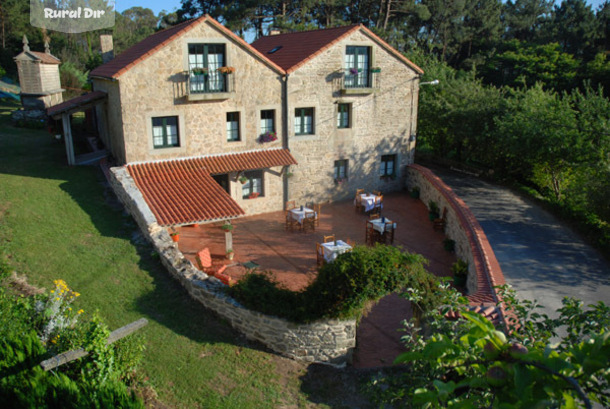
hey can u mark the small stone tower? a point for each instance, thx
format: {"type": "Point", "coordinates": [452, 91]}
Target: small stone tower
{"type": "Point", "coordinates": [38, 78]}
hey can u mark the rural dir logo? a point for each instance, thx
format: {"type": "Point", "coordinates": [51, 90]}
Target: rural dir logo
{"type": "Point", "coordinates": [72, 16]}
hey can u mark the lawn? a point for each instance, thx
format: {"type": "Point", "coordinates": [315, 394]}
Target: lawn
{"type": "Point", "coordinates": [64, 222]}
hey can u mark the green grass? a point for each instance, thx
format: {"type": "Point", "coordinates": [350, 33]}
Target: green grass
{"type": "Point", "coordinates": [59, 222]}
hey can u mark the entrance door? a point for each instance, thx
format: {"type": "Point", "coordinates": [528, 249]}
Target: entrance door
{"type": "Point", "coordinates": [223, 180]}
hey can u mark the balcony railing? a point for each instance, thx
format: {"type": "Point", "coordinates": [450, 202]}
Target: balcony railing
{"type": "Point", "coordinates": [211, 85]}
{"type": "Point", "coordinates": [359, 81]}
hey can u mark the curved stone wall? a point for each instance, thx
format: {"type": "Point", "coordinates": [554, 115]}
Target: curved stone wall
{"type": "Point", "coordinates": [330, 341]}
{"type": "Point", "coordinates": [471, 243]}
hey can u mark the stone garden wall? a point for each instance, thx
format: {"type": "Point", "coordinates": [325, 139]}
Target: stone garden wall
{"type": "Point", "coordinates": [471, 244]}
{"type": "Point", "coordinates": [330, 341]}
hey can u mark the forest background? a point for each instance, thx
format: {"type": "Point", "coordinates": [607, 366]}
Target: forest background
{"type": "Point", "coordinates": [523, 92]}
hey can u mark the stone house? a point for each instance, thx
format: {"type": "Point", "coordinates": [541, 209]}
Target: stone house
{"type": "Point", "coordinates": [210, 127]}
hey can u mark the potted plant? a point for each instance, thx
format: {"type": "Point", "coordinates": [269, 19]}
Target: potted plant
{"type": "Point", "coordinates": [199, 71]}
{"type": "Point", "coordinates": [253, 195]}
{"type": "Point", "coordinates": [175, 235]}
{"type": "Point", "coordinates": [376, 69]}
{"type": "Point", "coordinates": [354, 71]}
{"type": "Point", "coordinates": [268, 136]}
{"type": "Point", "coordinates": [433, 212]}
{"type": "Point", "coordinates": [227, 227]}
{"type": "Point", "coordinates": [415, 192]}
{"type": "Point", "coordinates": [243, 180]}
{"type": "Point", "coordinates": [226, 70]}
{"type": "Point", "coordinates": [449, 245]}
{"type": "Point", "coordinates": [460, 273]}
{"type": "Point", "coordinates": [230, 254]}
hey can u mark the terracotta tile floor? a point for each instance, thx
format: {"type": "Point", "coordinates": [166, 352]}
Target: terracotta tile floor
{"type": "Point", "coordinates": [291, 257]}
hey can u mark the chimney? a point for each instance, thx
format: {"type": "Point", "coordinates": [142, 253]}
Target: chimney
{"type": "Point", "coordinates": [107, 47]}
{"type": "Point", "coordinates": [274, 31]}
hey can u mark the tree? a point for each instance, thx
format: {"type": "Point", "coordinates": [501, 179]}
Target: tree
{"type": "Point", "coordinates": [469, 363]}
{"type": "Point", "coordinates": [524, 19]}
{"type": "Point", "coordinates": [575, 27]}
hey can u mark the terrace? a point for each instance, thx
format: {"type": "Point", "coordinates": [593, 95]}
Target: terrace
{"type": "Point", "coordinates": [291, 258]}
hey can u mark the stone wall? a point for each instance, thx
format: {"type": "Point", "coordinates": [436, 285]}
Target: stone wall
{"type": "Point", "coordinates": [471, 244]}
{"type": "Point", "coordinates": [329, 341]}
{"type": "Point", "coordinates": [382, 121]}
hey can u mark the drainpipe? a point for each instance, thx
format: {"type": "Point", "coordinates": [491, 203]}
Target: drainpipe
{"type": "Point", "coordinates": [285, 131]}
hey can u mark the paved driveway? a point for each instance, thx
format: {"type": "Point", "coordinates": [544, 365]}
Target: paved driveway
{"type": "Point", "coordinates": [540, 257]}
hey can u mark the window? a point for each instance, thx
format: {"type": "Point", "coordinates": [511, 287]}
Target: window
{"type": "Point", "coordinates": [254, 184]}
{"type": "Point", "coordinates": [344, 115]}
{"type": "Point", "coordinates": [340, 170]}
{"type": "Point", "coordinates": [388, 165]}
{"type": "Point", "coordinates": [267, 121]}
{"type": "Point", "coordinates": [204, 61]}
{"type": "Point", "coordinates": [357, 64]}
{"type": "Point", "coordinates": [303, 121]}
{"type": "Point", "coordinates": [233, 127]}
{"type": "Point", "coordinates": [165, 132]}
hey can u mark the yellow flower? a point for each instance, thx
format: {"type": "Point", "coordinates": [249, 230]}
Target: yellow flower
{"type": "Point", "coordinates": [80, 311]}
{"type": "Point", "coordinates": [76, 294]}
{"type": "Point", "coordinates": [56, 299]}
{"type": "Point", "coordinates": [52, 291]}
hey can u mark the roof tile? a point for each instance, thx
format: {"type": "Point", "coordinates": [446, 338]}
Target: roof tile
{"type": "Point", "coordinates": [182, 191]}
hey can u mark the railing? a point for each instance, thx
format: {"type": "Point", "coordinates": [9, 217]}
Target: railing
{"type": "Point", "coordinates": [360, 79]}
{"type": "Point", "coordinates": [212, 82]}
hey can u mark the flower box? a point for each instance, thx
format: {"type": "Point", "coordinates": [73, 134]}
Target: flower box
{"type": "Point", "coordinates": [253, 195]}
{"type": "Point", "coordinates": [227, 227]}
{"type": "Point", "coordinates": [199, 71]}
{"type": "Point", "coordinates": [267, 137]}
{"type": "Point", "coordinates": [226, 70]}
{"type": "Point", "coordinates": [376, 69]}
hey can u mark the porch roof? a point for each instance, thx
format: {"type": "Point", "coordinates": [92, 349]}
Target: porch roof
{"type": "Point", "coordinates": [182, 191]}
{"type": "Point", "coordinates": [76, 104]}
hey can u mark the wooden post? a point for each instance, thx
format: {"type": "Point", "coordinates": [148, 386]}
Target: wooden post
{"type": "Point", "coordinates": [65, 121]}
{"type": "Point", "coordinates": [114, 336]}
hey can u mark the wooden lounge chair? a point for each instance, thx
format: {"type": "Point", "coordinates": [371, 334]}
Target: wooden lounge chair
{"type": "Point", "coordinates": [204, 262]}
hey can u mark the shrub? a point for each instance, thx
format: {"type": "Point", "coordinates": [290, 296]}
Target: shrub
{"type": "Point", "coordinates": [449, 245]}
{"type": "Point", "coordinates": [342, 288]}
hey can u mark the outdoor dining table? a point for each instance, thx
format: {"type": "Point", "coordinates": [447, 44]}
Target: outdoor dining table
{"type": "Point", "coordinates": [334, 248]}
{"type": "Point", "coordinates": [368, 201]}
{"type": "Point", "coordinates": [381, 224]}
{"type": "Point", "coordinates": [298, 213]}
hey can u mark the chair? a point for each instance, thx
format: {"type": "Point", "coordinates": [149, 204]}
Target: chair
{"type": "Point", "coordinates": [350, 242]}
{"type": "Point", "coordinates": [329, 239]}
{"type": "Point", "coordinates": [373, 216]}
{"type": "Point", "coordinates": [359, 192]}
{"type": "Point", "coordinates": [309, 222]}
{"type": "Point", "coordinates": [358, 206]}
{"type": "Point", "coordinates": [389, 232]}
{"type": "Point", "coordinates": [319, 254]}
{"type": "Point", "coordinates": [377, 192]}
{"type": "Point", "coordinates": [370, 234]}
{"type": "Point", "coordinates": [291, 204]}
{"type": "Point", "coordinates": [378, 203]}
{"type": "Point", "coordinates": [204, 262]}
{"type": "Point", "coordinates": [290, 222]}
{"type": "Point", "coordinates": [317, 209]}
{"type": "Point", "coordinates": [439, 223]}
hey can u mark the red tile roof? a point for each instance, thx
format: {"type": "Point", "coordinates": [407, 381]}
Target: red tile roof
{"type": "Point", "coordinates": [75, 102]}
{"type": "Point", "coordinates": [183, 191]}
{"type": "Point", "coordinates": [140, 51]}
{"type": "Point", "coordinates": [299, 47]}
{"type": "Point", "coordinates": [46, 58]}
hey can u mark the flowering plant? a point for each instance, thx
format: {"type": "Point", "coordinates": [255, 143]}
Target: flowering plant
{"type": "Point", "coordinates": [226, 70]}
{"type": "Point", "coordinates": [267, 137]}
{"type": "Point", "coordinates": [56, 313]}
{"type": "Point", "coordinates": [354, 71]}
{"type": "Point", "coordinates": [199, 70]}
{"type": "Point", "coordinates": [253, 195]}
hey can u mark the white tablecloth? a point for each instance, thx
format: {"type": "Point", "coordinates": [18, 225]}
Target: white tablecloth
{"type": "Point", "coordinates": [368, 201]}
{"type": "Point", "coordinates": [331, 251]}
{"type": "Point", "coordinates": [299, 215]}
{"type": "Point", "coordinates": [381, 226]}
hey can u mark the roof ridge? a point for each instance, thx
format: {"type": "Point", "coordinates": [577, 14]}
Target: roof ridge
{"type": "Point", "coordinates": [212, 155]}
{"type": "Point", "coordinates": [312, 30]}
